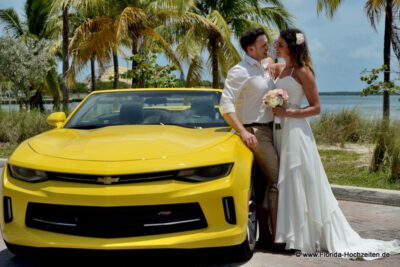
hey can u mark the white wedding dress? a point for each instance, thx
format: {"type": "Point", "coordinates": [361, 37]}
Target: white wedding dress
{"type": "Point", "coordinates": [309, 217]}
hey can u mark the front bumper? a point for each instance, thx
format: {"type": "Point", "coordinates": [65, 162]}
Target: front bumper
{"type": "Point", "coordinates": [208, 195]}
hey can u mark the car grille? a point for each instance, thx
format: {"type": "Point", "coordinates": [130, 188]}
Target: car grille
{"type": "Point", "coordinates": [115, 222]}
{"type": "Point", "coordinates": [127, 178]}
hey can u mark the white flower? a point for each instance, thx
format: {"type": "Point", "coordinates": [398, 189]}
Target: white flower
{"type": "Point", "coordinates": [276, 102]}
{"type": "Point", "coordinates": [299, 38]}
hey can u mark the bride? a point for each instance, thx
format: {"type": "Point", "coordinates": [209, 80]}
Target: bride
{"type": "Point", "coordinates": [309, 217]}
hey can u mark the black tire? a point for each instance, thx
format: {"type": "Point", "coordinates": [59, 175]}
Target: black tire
{"type": "Point", "coordinates": [245, 251]}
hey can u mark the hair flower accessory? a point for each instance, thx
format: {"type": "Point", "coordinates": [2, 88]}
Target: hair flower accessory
{"type": "Point", "coordinates": [299, 38]}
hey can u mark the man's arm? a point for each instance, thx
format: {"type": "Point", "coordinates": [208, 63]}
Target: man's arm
{"type": "Point", "coordinates": [248, 138]}
{"type": "Point", "coordinates": [234, 82]}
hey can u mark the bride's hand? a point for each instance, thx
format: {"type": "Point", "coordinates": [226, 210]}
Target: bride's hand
{"type": "Point", "coordinates": [271, 69]}
{"type": "Point", "coordinates": [281, 112]}
{"type": "Point", "coordinates": [274, 68]}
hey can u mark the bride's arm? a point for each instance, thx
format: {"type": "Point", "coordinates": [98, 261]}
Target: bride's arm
{"type": "Point", "coordinates": [307, 80]}
{"type": "Point", "coordinates": [274, 69]}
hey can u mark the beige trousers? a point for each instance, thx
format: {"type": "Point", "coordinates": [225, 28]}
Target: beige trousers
{"type": "Point", "coordinates": [267, 161]}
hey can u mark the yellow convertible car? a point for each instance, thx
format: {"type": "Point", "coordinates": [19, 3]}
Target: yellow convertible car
{"type": "Point", "coordinates": [132, 169]}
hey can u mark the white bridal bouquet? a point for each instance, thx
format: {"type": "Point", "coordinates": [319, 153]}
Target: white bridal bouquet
{"type": "Point", "coordinates": [276, 98]}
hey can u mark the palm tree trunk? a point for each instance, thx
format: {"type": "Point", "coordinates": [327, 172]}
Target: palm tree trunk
{"type": "Point", "coordinates": [116, 71]}
{"type": "Point", "coordinates": [134, 63]}
{"type": "Point", "coordinates": [380, 148]}
{"type": "Point", "coordinates": [56, 102]}
{"type": "Point", "coordinates": [386, 55]}
{"type": "Point", "coordinates": [65, 63]}
{"type": "Point", "coordinates": [93, 72]}
{"type": "Point", "coordinates": [214, 62]}
{"type": "Point", "coordinates": [36, 101]}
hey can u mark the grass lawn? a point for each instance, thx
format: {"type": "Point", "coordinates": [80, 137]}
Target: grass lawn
{"type": "Point", "coordinates": [346, 167]}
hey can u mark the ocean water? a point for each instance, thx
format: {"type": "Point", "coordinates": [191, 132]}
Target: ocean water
{"type": "Point", "coordinates": [369, 106]}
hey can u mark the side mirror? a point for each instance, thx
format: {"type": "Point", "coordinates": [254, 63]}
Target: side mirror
{"type": "Point", "coordinates": [56, 119]}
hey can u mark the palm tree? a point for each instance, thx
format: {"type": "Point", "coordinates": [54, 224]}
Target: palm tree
{"type": "Point", "coordinates": [139, 23]}
{"type": "Point", "coordinates": [62, 7]}
{"type": "Point", "coordinates": [240, 15]}
{"type": "Point", "coordinates": [93, 40]}
{"type": "Point", "coordinates": [374, 10]}
{"type": "Point", "coordinates": [209, 33]}
{"type": "Point", "coordinates": [38, 25]}
{"type": "Point", "coordinates": [213, 31]}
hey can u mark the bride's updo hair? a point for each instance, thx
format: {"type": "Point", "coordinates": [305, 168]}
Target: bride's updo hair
{"type": "Point", "coordinates": [298, 47]}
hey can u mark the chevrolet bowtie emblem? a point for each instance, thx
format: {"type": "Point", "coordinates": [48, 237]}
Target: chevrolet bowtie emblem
{"type": "Point", "coordinates": [107, 180]}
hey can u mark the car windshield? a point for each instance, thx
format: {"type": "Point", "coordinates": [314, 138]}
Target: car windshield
{"type": "Point", "coordinates": [195, 109]}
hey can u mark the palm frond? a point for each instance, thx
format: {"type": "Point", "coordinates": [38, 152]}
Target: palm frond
{"type": "Point", "coordinates": [52, 86]}
{"type": "Point", "coordinates": [37, 14]}
{"type": "Point", "coordinates": [219, 23]}
{"type": "Point", "coordinates": [188, 45]}
{"type": "Point", "coordinates": [131, 22]}
{"type": "Point", "coordinates": [228, 56]}
{"type": "Point", "coordinates": [93, 37]}
{"type": "Point", "coordinates": [168, 51]}
{"type": "Point", "coordinates": [276, 17]}
{"type": "Point", "coordinates": [195, 71]}
{"type": "Point", "coordinates": [97, 6]}
{"type": "Point", "coordinates": [11, 22]}
{"type": "Point", "coordinates": [53, 28]}
{"type": "Point", "coordinates": [181, 6]}
{"type": "Point", "coordinates": [330, 6]}
{"type": "Point", "coordinates": [374, 10]}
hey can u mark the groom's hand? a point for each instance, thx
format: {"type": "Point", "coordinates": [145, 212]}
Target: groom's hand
{"type": "Point", "coordinates": [249, 139]}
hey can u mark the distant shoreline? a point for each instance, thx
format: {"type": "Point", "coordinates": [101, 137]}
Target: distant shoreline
{"type": "Point", "coordinates": [350, 93]}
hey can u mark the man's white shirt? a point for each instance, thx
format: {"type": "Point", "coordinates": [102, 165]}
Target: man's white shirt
{"type": "Point", "coordinates": [245, 87]}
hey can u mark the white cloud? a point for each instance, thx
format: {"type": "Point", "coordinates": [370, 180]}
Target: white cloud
{"type": "Point", "coordinates": [318, 51]}
{"type": "Point", "coordinates": [366, 52]}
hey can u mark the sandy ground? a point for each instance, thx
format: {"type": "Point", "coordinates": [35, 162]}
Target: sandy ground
{"type": "Point", "coordinates": [364, 150]}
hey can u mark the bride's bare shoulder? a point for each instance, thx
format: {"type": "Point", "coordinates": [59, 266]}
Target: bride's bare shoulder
{"type": "Point", "coordinates": [304, 72]}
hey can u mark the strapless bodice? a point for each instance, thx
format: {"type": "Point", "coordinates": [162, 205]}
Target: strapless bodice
{"type": "Point", "coordinates": [293, 88]}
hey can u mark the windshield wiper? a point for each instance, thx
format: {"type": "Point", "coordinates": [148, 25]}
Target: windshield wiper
{"type": "Point", "coordinates": [88, 126]}
{"type": "Point", "coordinates": [175, 124]}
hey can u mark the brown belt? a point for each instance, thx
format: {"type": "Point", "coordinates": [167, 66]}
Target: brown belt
{"type": "Point", "coordinates": [258, 124]}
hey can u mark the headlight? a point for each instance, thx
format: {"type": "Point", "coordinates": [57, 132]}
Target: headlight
{"type": "Point", "coordinates": [27, 175]}
{"type": "Point", "coordinates": [203, 174]}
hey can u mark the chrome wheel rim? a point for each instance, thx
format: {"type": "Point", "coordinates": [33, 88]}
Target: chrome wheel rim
{"type": "Point", "coordinates": [252, 220]}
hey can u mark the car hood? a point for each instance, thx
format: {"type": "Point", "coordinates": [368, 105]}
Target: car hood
{"type": "Point", "coordinates": [127, 143]}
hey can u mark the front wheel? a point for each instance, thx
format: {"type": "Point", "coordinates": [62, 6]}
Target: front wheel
{"type": "Point", "coordinates": [246, 249]}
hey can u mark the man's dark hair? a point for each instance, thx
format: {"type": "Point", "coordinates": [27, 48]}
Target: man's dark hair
{"type": "Point", "coordinates": [249, 37]}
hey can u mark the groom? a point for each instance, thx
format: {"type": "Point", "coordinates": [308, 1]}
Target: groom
{"type": "Point", "coordinates": [242, 107]}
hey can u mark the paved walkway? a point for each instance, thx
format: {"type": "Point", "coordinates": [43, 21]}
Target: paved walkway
{"type": "Point", "coordinates": [369, 220]}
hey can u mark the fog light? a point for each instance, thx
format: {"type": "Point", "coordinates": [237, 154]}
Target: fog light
{"type": "Point", "coordinates": [229, 210]}
{"type": "Point", "coordinates": [7, 207]}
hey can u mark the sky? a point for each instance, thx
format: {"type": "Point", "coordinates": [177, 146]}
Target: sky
{"type": "Point", "coordinates": [341, 48]}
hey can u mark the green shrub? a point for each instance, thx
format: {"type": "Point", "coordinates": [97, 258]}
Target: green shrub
{"type": "Point", "coordinates": [15, 127]}
{"type": "Point", "coordinates": [344, 126]}
{"type": "Point", "coordinates": [393, 152]}
{"type": "Point", "coordinates": [395, 165]}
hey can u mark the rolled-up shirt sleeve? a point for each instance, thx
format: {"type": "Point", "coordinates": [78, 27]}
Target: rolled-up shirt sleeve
{"type": "Point", "coordinates": [234, 82]}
